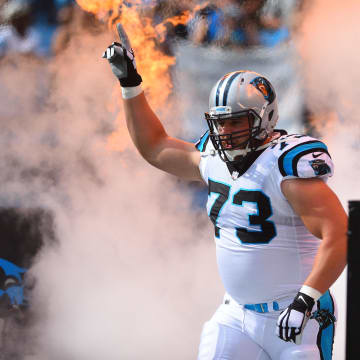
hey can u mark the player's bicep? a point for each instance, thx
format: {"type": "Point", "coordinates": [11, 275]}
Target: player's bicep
{"type": "Point", "coordinates": [317, 205]}
{"type": "Point", "coordinates": [177, 157]}
{"type": "Point", "coordinates": [305, 169]}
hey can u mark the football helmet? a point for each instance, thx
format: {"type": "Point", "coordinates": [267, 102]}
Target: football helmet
{"type": "Point", "coordinates": [235, 95]}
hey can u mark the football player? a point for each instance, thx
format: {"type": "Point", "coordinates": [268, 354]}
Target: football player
{"type": "Point", "coordinates": [280, 231]}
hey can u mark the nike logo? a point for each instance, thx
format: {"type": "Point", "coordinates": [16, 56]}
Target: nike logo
{"type": "Point", "coordinates": [316, 155]}
{"type": "Point", "coordinates": [301, 297]}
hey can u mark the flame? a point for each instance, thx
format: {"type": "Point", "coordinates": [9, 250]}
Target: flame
{"type": "Point", "coordinates": [153, 65]}
{"type": "Point", "coordinates": [178, 19]}
{"type": "Point", "coordinates": [175, 20]}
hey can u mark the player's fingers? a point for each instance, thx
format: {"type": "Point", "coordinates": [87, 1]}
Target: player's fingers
{"type": "Point", "coordinates": [287, 328]}
{"type": "Point", "coordinates": [277, 331]}
{"type": "Point", "coordinates": [294, 335]}
{"type": "Point", "coordinates": [105, 54]}
{"type": "Point", "coordinates": [120, 30]}
{"type": "Point", "coordinates": [108, 53]}
{"type": "Point", "coordinates": [290, 334]}
{"type": "Point", "coordinates": [281, 317]}
{"type": "Point", "coordinates": [116, 43]}
{"type": "Point", "coordinates": [130, 54]}
{"type": "Point", "coordinates": [119, 49]}
{"type": "Point", "coordinates": [281, 323]}
{"type": "Point", "coordinates": [123, 36]}
{"type": "Point", "coordinates": [283, 332]}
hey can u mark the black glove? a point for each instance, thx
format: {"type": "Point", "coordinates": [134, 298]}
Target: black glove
{"type": "Point", "coordinates": [122, 62]}
{"type": "Point", "coordinates": [293, 319]}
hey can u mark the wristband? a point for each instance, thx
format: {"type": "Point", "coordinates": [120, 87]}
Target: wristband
{"type": "Point", "coordinates": [307, 290]}
{"type": "Point", "coordinates": [130, 92]}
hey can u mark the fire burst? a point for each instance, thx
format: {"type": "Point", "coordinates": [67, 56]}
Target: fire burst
{"type": "Point", "coordinates": [153, 65]}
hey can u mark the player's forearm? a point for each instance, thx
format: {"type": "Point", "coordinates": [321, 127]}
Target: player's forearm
{"type": "Point", "coordinates": [174, 156]}
{"type": "Point", "coordinates": [145, 128]}
{"type": "Point", "coordinates": [329, 263]}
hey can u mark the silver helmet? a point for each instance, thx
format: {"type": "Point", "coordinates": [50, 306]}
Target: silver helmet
{"type": "Point", "coordinates": [238, 94]}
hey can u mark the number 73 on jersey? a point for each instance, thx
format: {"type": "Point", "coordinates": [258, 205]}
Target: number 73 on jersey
{"type": "Point", "coordinates": [265, 231]}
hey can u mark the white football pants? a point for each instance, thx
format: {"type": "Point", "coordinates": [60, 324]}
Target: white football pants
{"type": "Point", "coordinates": [235, 333]}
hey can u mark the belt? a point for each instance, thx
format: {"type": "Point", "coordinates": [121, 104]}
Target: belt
{"type": "Point", "coordinates": [276, 305]}
{"type": "Point", "coordinates": [263, 307]}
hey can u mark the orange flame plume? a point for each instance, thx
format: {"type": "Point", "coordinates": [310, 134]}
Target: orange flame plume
{"type": "Point", "coordinates": [152, 63]}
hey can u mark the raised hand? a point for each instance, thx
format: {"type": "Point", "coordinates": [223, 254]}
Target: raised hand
{"type": "Point", "coordinates": [122, 61]}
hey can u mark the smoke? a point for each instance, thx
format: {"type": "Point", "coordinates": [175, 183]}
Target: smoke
{"type": "Point", "coordinates": [327, 41]}
{"type": "Point", "coordinates": [125, 278]}
{"type": "Point", "coordinates": [330, 69]}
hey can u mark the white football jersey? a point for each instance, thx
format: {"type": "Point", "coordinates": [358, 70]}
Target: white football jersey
{"type": "Point", "coordinates": [264, 251]}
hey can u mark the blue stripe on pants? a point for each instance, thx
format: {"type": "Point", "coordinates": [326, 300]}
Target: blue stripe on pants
{"type": "Point", "coordinates": [326, 336]}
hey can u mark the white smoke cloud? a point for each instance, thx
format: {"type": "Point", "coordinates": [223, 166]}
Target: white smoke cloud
{"type": "Point", "coordinates": [126, 277]}
{"type": "Point", "coordinates": [327, 44]}
{"type": "Point", "coordinates": [129, 276]}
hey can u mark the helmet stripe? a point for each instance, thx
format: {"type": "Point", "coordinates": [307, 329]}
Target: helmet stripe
{"type": "Point", "coordinates": [222, 84]}
{"type": "Point", "coordinates": [218, 90]}
{"type": "Point", "coordinates": [227, 87]}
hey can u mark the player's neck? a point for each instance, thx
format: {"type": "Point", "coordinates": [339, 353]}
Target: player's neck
{"type": "Point", "coordinates": [273, 136]}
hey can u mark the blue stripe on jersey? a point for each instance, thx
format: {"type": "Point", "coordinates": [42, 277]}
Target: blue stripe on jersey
{"type": "Point", "coordinates": [201, 144]}
{"type": "Point", "coordinates": [286, 165]}
{"type": "Point", "coordinates": [326, 340]}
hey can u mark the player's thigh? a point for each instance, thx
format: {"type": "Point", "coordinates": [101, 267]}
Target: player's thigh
{"type": "Point", "coordinates": [281, 350]}
{"type": "Point", "coordinates": [308, 350]}
{"type": "Point", "coordinates": [222, 342]}
{"type": "Point", "coordinates": [302, 352]}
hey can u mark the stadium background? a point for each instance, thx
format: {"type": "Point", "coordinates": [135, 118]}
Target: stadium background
{"type": "Point", "coordinates": [126, 267]}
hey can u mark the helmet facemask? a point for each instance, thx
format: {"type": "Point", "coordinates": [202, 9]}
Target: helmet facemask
{"type": "Point", "coordinates": [230, 145]}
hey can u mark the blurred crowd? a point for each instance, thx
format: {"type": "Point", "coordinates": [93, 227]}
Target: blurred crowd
{"type": "Point", "coordinates": [43, 27]}
{"type": "Point", "coordinates": [237, 23]}
{"type": "Point", "coordinates": [40, 28]}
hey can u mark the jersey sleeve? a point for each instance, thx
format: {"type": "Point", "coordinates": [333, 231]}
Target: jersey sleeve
{"type": "Point", "coordinates": [202, 142]}
{"type": "Point", "coordinates": [203, 145]}
{"type": "Point", "coordinates": [306, 160]}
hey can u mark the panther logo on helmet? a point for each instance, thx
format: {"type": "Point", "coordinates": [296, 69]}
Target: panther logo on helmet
{"type": "Point", "coordinates": [263, 86]}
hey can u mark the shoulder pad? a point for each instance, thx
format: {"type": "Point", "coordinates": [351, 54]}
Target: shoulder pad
{"type": "Point", "coordinates": [202, 143]}
{"type": "Point", "coordinates": [302, 156]}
